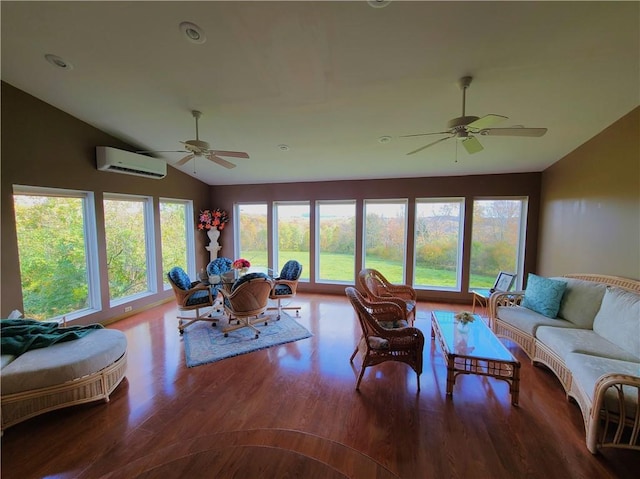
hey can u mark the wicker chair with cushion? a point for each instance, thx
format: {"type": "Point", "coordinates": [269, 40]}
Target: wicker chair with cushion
{"type": "Point", "coordinates": [385, 336]}
{"type": "Point", "coordinates": [376, 288]}
{"type": "Point", "coordinates": [217, 267]}
{"type": "Point", "coordinates": [192, 296]}
{"type": "Point", "coordinates": [285, 285]}
{"type": "Point", "coordinates": [247, 301]}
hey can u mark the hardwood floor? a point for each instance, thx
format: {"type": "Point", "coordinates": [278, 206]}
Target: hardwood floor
{"type": "Point", "coordinates": [292, 411]}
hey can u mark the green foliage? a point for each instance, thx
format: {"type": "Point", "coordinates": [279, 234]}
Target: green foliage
{"type": "Point", "coordinates": [52, 255]}
{"type": "Point", "coordinates": [174, 236]}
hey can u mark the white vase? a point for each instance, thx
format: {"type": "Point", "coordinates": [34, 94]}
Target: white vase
{"type": "Point", "coordinates": [213, 235]}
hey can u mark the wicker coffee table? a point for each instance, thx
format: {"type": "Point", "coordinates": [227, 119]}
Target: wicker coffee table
{"type": "Point", "coordinates": [474, 351]}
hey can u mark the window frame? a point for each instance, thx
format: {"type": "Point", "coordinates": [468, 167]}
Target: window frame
{"type": "Point", "coordinates": [276, 267]}
{"type": "Point", "coordinates": [189, 225]}
{"type": "Point", "coordinates": [316, 259]}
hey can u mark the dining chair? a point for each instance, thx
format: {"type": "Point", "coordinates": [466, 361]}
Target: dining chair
{"type": "Point", "coordinates": [285, 286]}
{"type": "Point", "coordinates": [385, 335]}
{"type": "Point", "coordinates": [246, 302]}
{"type": "Point", "coordinates": [377, 288]}
{"type": "Point", "coordinates": [192, 296]}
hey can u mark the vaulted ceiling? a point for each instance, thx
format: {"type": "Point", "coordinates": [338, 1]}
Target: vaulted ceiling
{"type": "Point", "coordinates": [330, 79]}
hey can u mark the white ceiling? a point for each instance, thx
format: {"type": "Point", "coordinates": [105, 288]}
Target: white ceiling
{"type": "Point", "coordinates": [330, 78]}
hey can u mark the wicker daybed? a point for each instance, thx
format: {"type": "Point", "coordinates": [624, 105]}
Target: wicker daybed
{"type": "Point", "coordinates": [592, 346]}
{"type": "Point", "coordinates": [61, 375]}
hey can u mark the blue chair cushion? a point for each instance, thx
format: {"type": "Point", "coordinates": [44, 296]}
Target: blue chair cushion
{"type": "Point", "coordinates": [200, 297]}
{"type": "Point", "coordinates": [219, 266]}
{"type": "Point", "coordinates": [180, 278]}
{"type": "Point", "coordinates": [281, 290]}
{"type": "Point", "coordinates": [291, 270]}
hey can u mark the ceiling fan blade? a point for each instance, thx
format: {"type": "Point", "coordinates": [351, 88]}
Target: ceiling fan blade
{"type": "Point", "coordinates": [220, 161]}
{"type": "Point", "coordinates": [185, 159]}
{"type": "Point", "coordinates": [430, 144]}
{"type": "Point", "coordinates": [235, 154]}
{"type": "Point", "coordinates": [425, 134]}
{"type": "Point", "coordinates": [486, 121]}
{"type": "Point", "coordinates": [160, 151]}
{"type": "Point", "coordinates": [472, 145]}
{"type": "Point", "coordinates": [513, 131]}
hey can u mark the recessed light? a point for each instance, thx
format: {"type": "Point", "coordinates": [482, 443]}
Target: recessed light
{"type": "Point", "coordinates": [384, 139]}
{"type": "Point", "coordinates": [283, 147]}
{"type": "Point", "coordinates": [378, 3]}
{"type": "Point", "coordinates": [193, 32]}
{"type": "Point", "coordinates": [58, 62]}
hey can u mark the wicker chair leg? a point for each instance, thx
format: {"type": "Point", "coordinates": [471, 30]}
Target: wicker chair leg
{"type": "Point", "coordinates": [360, 377]}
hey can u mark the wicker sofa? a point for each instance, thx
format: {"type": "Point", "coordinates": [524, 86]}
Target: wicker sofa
{"type": "Point", "coordinates": [61, 375]}
{"type": "Point", "coordinates": [592, 346]}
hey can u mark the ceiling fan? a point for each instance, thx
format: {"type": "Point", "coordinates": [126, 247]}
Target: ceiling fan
{"type": "Point", "coordinates": [465, 127]}
{"type": "Point", "coordinates": [198, 148]}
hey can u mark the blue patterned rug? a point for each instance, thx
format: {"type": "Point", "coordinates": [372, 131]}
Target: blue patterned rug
{"type": "Point", "coordinates": [204, 343]}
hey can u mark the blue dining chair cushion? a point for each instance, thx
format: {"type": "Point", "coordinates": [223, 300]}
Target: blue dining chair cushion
{"type": "Point", "coordinates": [201, 297]}
{"type": "Point", "coordinates": [219, 266]}
{"type": "Point", "coordinates": [180, 278]}
{"type": "Point", "coordinates": [291, 270]}
{"type": "Point", "coordinates": [282, 289]}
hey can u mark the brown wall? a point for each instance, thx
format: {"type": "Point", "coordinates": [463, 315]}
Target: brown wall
{"type": "Point", "coordinates": [43, 146]}
{"type": "Point", "coordinates": [470, 187]}
{"type": "Point", "coordinates": [590, 206]}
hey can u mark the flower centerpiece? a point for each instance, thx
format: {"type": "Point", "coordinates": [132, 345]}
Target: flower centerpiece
{"type": "Point", "coordinates": [210, 219]}
{"type": "Point", "coordinates": [463, 318]}
{"type": "Point", "coordinates": [241, 265]}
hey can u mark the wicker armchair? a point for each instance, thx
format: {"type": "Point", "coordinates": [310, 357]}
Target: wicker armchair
{"type": "Point", "coordinates": [247, 301]}
{"type": "Point", "coordinates": [379, 344]}
{"type": "Point", "coordinates": [376, 288]}
{"type": "Point", "coordinates": [191, 296]}
{"type": "Point", "coordinates": [285, 285]}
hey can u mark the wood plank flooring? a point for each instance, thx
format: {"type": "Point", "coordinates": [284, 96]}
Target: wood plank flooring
{"type": "Point", "coordinates": [292, 411]}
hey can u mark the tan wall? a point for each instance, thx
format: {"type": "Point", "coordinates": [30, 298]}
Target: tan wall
{"type": "Point", "coordinates": [590, 206]}
{"type": "Point", "coordinates": [470, 187]}
{"type": "Point", "coordinates": [43, 146]}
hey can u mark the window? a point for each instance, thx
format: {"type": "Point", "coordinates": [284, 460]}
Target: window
{"type": "Point", "coordinates": [438, 243]}
{"type": "Point", "coordinates": [336, 241]}
{"type": "Point", "coordinates": [176, 229]}
{"type": "Point", "coordinates": [252, 233]}
{"type": "Point", "coordinates": [385, 233]}
{"type": "Point", "coordinates": [292, 235]}
{"type": "Point", "coordinates": [129, 229]}
{"type": "Point", "coordinates": [497, 241]}
{"type": "Point", "coordinates": [57, 248]}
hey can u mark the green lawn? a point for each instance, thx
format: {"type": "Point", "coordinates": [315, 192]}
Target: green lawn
{"type": "Point", "coordinates": [340, 267]}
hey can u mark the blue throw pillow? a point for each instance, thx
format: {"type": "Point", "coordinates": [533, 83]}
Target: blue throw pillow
{"type": "Point", "coordinates": [543, 295]}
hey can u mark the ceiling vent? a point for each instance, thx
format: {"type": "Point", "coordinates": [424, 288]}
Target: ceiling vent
{"type": "Point", "coordinates": [125, 162]}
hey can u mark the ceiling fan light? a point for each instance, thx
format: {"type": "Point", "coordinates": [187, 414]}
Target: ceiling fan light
{"type": "Point", "coordinates": [193, 32]}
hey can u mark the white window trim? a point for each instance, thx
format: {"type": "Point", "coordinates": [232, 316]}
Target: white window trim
{"type": "Point", "coordinates": [316, 259]}
{"type": "Point", "coordinates": [189, 225]}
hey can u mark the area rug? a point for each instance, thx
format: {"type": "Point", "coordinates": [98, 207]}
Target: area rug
{"type": "Point", "coordinates": [204, 343]}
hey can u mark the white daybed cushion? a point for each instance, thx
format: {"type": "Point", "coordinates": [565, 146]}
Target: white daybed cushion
{"type": "Point", "coordinates": [619, 319]}
{"type": "Point", "coordinates": [62, 362]}
{"type": "Point", "coordinates": [6, 359]}
{"type": "Point", "coordinates": [527, 320]}
{"type": "Point", "coordinates": [581, 301]}
{"type": "Point", "coordinates": [586, 370]}
{"type": "Point", "coordinates": [564, 341]}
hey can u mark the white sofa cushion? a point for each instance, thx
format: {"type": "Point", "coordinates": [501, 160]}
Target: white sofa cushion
{"type": "Point", "coordinates": [618, 319]}
{"type": "Point", "coordinates": [563, 341]}
{"type": "Point", "coordinates": [62, 362]}
{"type": "Point", "coordinates": [581, 301]}
{"type": "Point", "coordinates": [587, 369]}
{"type": "Point", "coordinates": [527, 320]}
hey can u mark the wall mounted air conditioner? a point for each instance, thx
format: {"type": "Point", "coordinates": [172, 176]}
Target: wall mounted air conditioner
{"type": "Point", "coordinates": [120, 161]}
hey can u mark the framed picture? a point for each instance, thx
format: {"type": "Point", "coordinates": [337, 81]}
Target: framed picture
{"type": "Point", "coordinates": [504, 281]}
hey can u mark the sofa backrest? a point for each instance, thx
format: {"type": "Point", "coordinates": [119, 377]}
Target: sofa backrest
{"type": "Point", "coordinates": [581, 301]}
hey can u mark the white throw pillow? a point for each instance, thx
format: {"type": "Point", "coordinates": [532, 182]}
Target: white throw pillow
{"type": "Point", "coordinates": [618, 319]}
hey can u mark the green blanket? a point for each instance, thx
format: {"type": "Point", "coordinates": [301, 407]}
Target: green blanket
{"type": "Point", "coordinates": [20, 335]}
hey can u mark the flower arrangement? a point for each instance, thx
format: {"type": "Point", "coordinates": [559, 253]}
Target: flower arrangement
{"type": "Point", "coordinates": [209, 219]}
{"type": "Point", "coordinates": [241, 263]}
{"type": "Point", "coordinates": [464, 317]}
